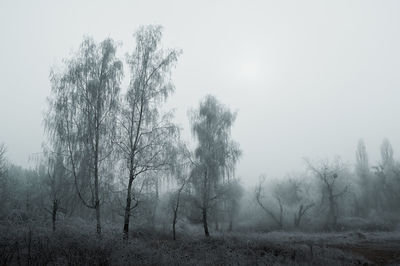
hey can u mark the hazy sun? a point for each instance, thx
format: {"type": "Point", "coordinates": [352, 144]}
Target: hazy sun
{"type": "Point", "coordinates": [250, 71]}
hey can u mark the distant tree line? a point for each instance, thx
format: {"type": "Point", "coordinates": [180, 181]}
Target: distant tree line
{"type": "Point", "coordinates": [336, 196]}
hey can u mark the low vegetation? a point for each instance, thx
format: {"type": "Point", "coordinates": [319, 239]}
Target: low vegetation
{"type": "Point", "coordinates": [32, 244]}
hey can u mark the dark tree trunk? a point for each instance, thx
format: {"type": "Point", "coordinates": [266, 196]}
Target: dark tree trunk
{"type": "Point", "coordinates": [128, 208]}
{"type": "Point", "coordinates": [97, 207]}
{"type": "Point", "coordinates": [54, 214]}
{"type": "Point", "coordinates": [98, 223]}
{"type": "Point", "coordinates": [175, 214]}
{"type": "Point", "coordinates": [97, 203]}
{"type": "Point", "coordinates": [205, 203]}
{"type": "Point", "coordinates": [205, 225]}
{"type": "Point", "coordinates": [174, 225]}
{"type": "Point", "coordinates": [96, 185]}
{"type": "Point", "coordinates": [176, 209]}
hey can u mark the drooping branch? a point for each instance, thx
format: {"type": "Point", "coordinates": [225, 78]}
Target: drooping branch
{"type": "Point", "coordinates": [278, 221]}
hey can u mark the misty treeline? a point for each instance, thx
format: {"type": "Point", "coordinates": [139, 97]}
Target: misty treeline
{"type": "Point", "coordinates": [333, 195]}
{"type": "Point", "coordinates": [114, 155]}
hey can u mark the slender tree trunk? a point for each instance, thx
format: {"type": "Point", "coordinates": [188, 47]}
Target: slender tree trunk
{"type": "Point", "coordinates": [174, 225]}
{"type": "Point", "coordinates": [97, 204]}
{"type": "Point", "coordinates": [205, 225]}
{"type": "Point", "coordinates": [205, 204]}
{"type": "Point", "coordinates": [128, 208]}
{"type": "Point", "coordinates": [98, 223]}
{"type": "Point", "coordinates": [175, 214]}
{"type": "Point", "coordinates": [96, 183]}
{"type": "Point", "coordinates": [54, 214]}
{"type": "Point", "coordinates": [176, 209]}
{"type": "Point", "coordinates": [96, 194]}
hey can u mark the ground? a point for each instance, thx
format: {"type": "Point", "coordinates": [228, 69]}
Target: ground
{"type": "Point", "coordinates": [76, 244]}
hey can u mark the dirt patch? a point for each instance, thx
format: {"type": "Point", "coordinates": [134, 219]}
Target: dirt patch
{"type": "Point", "coordinates": [378, 253]}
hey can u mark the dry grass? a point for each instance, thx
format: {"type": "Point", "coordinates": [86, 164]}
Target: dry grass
{"type": "Point", "coordinates": [75, 244]}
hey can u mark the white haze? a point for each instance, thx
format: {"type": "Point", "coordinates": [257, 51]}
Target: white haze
{"type": "Point", "coordinates": [308, 78]}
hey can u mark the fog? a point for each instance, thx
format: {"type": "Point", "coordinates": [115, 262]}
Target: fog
{"type": "Point", "coordinates": [199, 133]}
{"type": "Point", "coordinates": [308, 79]}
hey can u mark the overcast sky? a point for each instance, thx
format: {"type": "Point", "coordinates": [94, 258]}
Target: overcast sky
{"type": "Point", "coordinates": [308, 78]}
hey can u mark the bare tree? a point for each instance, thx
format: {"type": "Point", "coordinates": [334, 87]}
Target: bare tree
{"type": "Point", "coordinates": [302, 211]}
{"type": "Point", "coordinates": [216, 154]}
{"type": "Point", "coordinates": [328, 174]}
{"type": "Point", "coordinates": [82, 114]}
{"type": "Point", "coordinates": [277, 218]}
{"type": "Point", "coordinates": [144, 133]}
{"type": "Point", "coordinates": [295, 194]}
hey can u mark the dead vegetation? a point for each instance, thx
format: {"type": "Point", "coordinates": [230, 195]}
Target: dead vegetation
{"type": "Point", "coordinates": [31, 244]}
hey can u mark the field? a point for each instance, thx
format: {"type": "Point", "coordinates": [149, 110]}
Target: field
{"type": "Point", "coordinates": [74, 243]}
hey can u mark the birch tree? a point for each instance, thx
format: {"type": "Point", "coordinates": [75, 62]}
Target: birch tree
{"type": "Point", "coordinates": [83, 109]}
{"type": "Point", "coordinates": [216, 153]}
{"type": "Point", "coordinates": [145, 132]}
